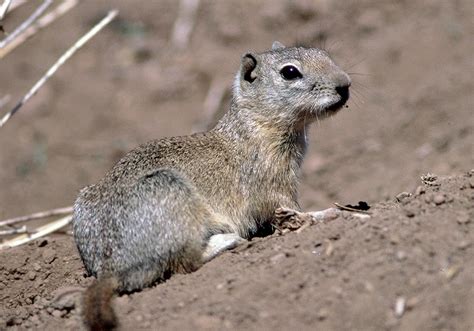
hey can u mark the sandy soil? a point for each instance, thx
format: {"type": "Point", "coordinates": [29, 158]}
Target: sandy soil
{"type": "Point", "coordinates": [409, 267]}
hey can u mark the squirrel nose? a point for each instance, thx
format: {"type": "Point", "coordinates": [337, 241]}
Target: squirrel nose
{"type": "Point", "coordinates": [343, 91]}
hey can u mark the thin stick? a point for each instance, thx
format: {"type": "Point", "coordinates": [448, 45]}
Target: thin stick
{"type": "Point", "coordinates": [99, 26]}
{"type": "Point", "coordinates": [26, 24]}
{"type": "Point", "coordinates": [4, 8]}
{"type": "Point", "coordinates": [212, 103]}
{"type": "Point", "coordinates": [4, 100]}
{"type": "Point", "coordinates": [41, 23]}
{"type": "Point", "coordinates": [15, 4]}
{"type": "Point", "coordinates": [184, 23]}
{"type": "Point", "coordinates": [40, 232]}
{"type": "Point", "coordinates": [13, 231]}
{"type": "Point", "coordinates": [39, 215]}
{"type": "Point", "coordinates": [338, 205]}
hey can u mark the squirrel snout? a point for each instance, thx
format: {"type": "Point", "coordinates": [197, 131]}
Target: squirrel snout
{"type": "Point", "coordinates": [343, 91]}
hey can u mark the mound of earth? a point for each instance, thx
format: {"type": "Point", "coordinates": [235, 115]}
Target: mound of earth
{"type": "Point", "coordinates": [407, 267]}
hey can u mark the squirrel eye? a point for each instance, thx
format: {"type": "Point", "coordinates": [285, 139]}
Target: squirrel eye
{"type": "Point", "coordinates": [290, 72]}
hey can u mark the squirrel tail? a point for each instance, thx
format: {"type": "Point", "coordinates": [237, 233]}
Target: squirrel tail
{"type": "Point", "coordinates": [98, 313]}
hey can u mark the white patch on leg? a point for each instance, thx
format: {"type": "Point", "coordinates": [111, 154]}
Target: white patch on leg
{"type": "Point", "coordinates": [219, 243]}
{"type": "Point", "coordinates": [325, 215]}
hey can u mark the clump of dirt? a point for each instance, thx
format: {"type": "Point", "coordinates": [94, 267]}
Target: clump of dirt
{"type": "Point", "coordinates": [407, 267]}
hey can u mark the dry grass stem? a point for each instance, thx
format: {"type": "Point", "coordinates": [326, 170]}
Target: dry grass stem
{"type": "Point", "coordinates": [4, 100]}
{"type": "Point", "coordinates": [26, 24]}
{"type": "Point", "coordinates": [4, 8]}
{"type": "Point", "coordinates": [184, 23]}
{"type": "Point", "coordinates": [15, 4]}
{"type": "Point", "coordinates": [39, 232]}
{"type": "Point", "coordinates": [13, 231]}
{"type": "Point", "coordinates": [84, 39]}
{"type": "Point", "coordinates": [41, 23]}
{"type": "Point", "coordinates": [212, 103]}
{"type": "Point", "coordinates": [36, 216]}
{"type": "Point", "coordinates": [338, 205]}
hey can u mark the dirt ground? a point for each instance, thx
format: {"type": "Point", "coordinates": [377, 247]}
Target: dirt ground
{"type": "Point", "coordinates": [409, 267]}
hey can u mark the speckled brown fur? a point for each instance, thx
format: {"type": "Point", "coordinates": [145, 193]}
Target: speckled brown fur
{"type": "Point", "coordinates": [154, 213]}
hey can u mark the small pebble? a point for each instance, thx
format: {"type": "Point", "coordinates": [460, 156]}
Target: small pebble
{"type": "Point", "coordinates": [49, 255]}
{"type": "Point", "coordinates": [35, 319]}
{"type": "Point", "coordinates": [420, 190]}
{"type": "Point", "coordinates": [409, 212]}
{"type": "Point", "coordinates": [402, 196]}
{"type": "Point", "coordinates": [439, 199]}
{"type": "Point", "coordinates": [323, 314]}
{"type": "Point", "coordinates": [401, 255]}
{"type": "Point", "coordinates": [400, 306]}
{"type": "Point", "coordinates": [57, 313]}
{"type": "Point", "coordinates": [463, 219]}
{"type": "Point", "coordinates": [394, 240]}
{"type": "Point", "coordinates": [36, 266]}
{"type": "Point", "coordinates": [411, 303]}
{"type": "Point", "coordinates": [464, 244]}
{"type": "Point", "coordinates": [31, 275]}
{"type": "Point", "coordinates": [277, 257]}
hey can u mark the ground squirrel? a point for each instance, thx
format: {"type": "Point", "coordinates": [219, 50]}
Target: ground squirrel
{"type": "Point", "coordinates": [172, 204]}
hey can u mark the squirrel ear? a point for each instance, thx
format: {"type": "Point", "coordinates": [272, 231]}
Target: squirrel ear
{"type": "Point", "coordinates": [249, 63]}
{"type": "Point", "coordinates": [277, 46]}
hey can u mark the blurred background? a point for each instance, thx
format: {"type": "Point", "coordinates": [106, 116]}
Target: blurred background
{"type": "Point", "coordinates": [410, 112]}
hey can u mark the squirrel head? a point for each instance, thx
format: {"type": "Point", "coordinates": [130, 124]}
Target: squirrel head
{"type": "Point", "coordinates": [293, 85]}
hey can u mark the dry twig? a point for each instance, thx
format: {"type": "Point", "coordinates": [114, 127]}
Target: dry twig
{"type": "Point", "coordinates": [39, 232]}
{"type": "Point", "coordinates": [26, 24]}
{"type": "Point", "coordinates": [15, 4]}
{"type": "Point", "coordinates": [13, 231]}
{"type": "Point", "coordinates": [212, 103]}
{"type": "Point", "coordinates": [4, 100]}
{"type": "Point", "coordinates": [355, 210]}
{"type": "Point", "coordinates": [4, 8]}
{"type": "Point", "coordinates": [84, 39]}
{"type": "Point", "coordinates": [36, 216]}
{"type": "Point", "coordinates": [184, 23]}
{"type": "Point", "coordinates": [41, 23]}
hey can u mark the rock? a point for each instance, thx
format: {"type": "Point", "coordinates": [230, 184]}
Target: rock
{"type": "Point", "coordinates": [49, 255]}
{"type": "Point", "coordinates": [420, 190]}
{"type": "Point", "coordinates": [322, 314]}
{"type": "Point", "coordinates": [403, 196]}
{"type": "Point", "coordinates": [277, 257]}
{"type": "Point", "coordinates": [66, 298]}
{"type": "Point", "coordinates": [57, 313]}
{"type": "Point", "coordinates": [439, 199]}
{"type": "Point", "coordinates": [409, 212]}
{"type": "Point", "coordinates": [35, 320]}
{"type": "Point", "coordinates": [401, 255]}
{"type": "Point", "coordinates": [463, 219]}
{"type": "Point", "coordinates": [31, 275]}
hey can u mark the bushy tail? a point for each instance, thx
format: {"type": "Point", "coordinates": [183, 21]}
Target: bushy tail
{"type": "Point", "coordinates": [98, 313]}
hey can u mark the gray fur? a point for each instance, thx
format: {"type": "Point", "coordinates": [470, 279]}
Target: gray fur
{"type": "Point", "coordinates": [154, 212]}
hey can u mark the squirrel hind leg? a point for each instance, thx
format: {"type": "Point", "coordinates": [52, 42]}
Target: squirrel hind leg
{"type": "Point", "coordinates": [219, 243]}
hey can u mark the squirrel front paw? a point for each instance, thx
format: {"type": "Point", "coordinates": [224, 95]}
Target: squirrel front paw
{"type": "Point", "coordinates": [286, 220]}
